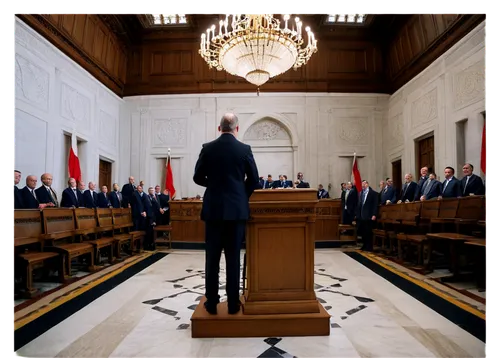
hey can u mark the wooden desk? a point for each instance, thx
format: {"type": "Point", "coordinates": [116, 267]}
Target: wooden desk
{"type": "Point", "coordinates": [185, 220]}
{"type": "Point", "coordinates": [327, 220]}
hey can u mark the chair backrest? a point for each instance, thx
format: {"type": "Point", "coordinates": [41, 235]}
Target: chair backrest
{"type": "Point", "coordinates": [413, 207]}
{"type": "Point", "coordinates": [394, 211]}
{"type": "Point", "coordinates": [448, 208]}
{"type": "Point", "coordinates": [58, 220]}
{"type": "Point", "coordinates": [27, 226]}
{"type": "Point", "coordinates": [119, 216]}
{"type": "Point", "coordinates": [105, 217]}
{"type": "Point", "coordinates": [472, 207]}
{"type": "Point", "coordinates": [85, 218]}
{"type": "Point", "coordinates": [430, 209]}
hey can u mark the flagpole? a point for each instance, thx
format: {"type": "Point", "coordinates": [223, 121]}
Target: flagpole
{"type": "Point", "coordinates": [166, 167]}
{"type": "Point", "coordinates": [352, 166]}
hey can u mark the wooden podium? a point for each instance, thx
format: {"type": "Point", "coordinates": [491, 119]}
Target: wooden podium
{"type": "Point", "coordinates": [279, 299]}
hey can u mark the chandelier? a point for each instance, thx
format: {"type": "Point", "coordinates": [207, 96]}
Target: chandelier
{"type": "Point", "coordinates": [257, 47]}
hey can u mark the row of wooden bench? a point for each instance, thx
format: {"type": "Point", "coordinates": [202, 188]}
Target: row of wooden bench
{"type": "Point", "coordinates": [58, 235]}
{"type": "Point", "coordinates": [422, 226]}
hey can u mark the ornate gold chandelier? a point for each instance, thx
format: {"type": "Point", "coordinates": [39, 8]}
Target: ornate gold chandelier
{"type": "Point", "coordinates": [255, 47]}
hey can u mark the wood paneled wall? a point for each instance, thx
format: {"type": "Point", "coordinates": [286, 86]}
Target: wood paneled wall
{"type": "Point", "coordinates": [176, 67]}
{"type": "Point", "coordinates": [89, 41]}
{"type": "Point", "coordinates": [363, 59]}
{"type": "Point", "coordinates": [421, 40]}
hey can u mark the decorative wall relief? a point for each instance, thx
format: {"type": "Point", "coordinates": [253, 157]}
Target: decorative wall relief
{"type": "Point", "coordinates": [468, 85]}
{"type": "Point", "coordinates": [75, 106]}
{"type": "Point", "coordinates": [396, 127]}
{"type": "Point", "coordinates": [32, 83]}
{"type": "Point", "coordinates": [353, 130]}
{"type": "Point", "coordinates": [266, 129]}
{"type": "Point", "coordinates": [169, 132]}
{"type": "Point", "coordinates": [424, 109]}
{"type": "Point", "coordinates": [107, 129]}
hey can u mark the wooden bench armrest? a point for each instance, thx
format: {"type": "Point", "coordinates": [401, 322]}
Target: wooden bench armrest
{"type": "Point", "coordinates": [57, 235]}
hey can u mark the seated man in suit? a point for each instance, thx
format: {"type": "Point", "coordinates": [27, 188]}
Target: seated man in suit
{"type": "Point", "coordinates": [115, 197]}
{"type": "Point", "coordinates": [269, 182]}
{"type": "Point", "coordinates": [262, 183]}
{"type": "Point", "coordinates": [471, 183]}
{"type": "Point", "coordinates": [29, 196]}
{"type": "Point", "coordinates": [350, 204]}
{"type": "Point", "coordinates": [431, 188]}
{"type": "Point", "coordinates": [289, 183]}
{"type": "Point", "coordinates": [138, 212]}
{"type": "Point", "coordinates": [301, 182]}
{"type": "Point", "coordinates": [388, 195]}
{"type": "Point", "coordinates": [322, 193]}
{"type": "Point", "coordinates": [103, 199]}
{"type": "Point", "coordinates": [408, 191]}
{"type": "Point", "coordinates": [281, 183]}
{"type": "Point", "coordinates": [164, 211]}
{"type": "Point", "coordinates": [18, 198]}
{"type": "Point", "coordinates": [90, 197]}
{"type": "Point", "coordinates": [451, 186]}
{"type": "Point", "coordinates": [366, 214]}
{"type": "Point", "coordinates": [71, 195]}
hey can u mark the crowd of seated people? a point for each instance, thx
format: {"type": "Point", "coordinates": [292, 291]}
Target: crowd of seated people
{"type": "Point", "coordinates": [283, 182]}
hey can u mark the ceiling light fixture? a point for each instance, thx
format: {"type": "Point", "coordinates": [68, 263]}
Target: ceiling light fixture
{"type": "Point", "coordinates": [257, 47]}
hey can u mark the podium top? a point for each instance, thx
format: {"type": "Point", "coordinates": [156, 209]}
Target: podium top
{"type": "Point", "coordinates": [284, 195]}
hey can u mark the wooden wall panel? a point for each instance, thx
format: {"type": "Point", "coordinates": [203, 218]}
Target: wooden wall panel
{"type": "Point", "coordinates": [421, 40]}
{"type": "Point", "coordinates": [88, 41]}
{"type": "Point", "coordinates": [175, 66]}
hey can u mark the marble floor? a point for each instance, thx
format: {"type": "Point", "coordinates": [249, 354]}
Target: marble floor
{"type": "Point", "coordinates": [149, 316]}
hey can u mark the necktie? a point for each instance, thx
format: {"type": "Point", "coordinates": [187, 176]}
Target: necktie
{"type": "Point", "coordinates": [363, 196]}
{"type": "Point", "coordinates": [76, 195]}
{"type": "Point", "coordinates": [404, 188]}
{"type": "Point", "coordinates": [427, 187]}
{"type": "Point", "coordinates": [466, 182]}
{"type": "Point", "coordinates": [34, 195]}
{"type": "Point", "coordinates": [50, 196]}
{"type": "Point", "coordinates": [445, 185]}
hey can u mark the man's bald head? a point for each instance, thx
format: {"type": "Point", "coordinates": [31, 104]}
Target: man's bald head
{"type": "Point", "coordinates": [229, 123]}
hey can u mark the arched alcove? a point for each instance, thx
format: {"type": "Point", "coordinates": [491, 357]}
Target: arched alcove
{"type": "Point", "coordinates": [272, 146]}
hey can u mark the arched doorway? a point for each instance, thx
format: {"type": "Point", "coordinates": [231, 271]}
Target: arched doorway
{"type": "Point", "coordinates": [272, 147]}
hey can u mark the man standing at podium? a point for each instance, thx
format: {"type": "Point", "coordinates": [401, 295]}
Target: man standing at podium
{"type": "Point", "coordinates": [222, 167]}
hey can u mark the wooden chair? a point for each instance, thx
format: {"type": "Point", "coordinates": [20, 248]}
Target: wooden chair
{"type": "Point", "coordinates": [90, 219]}
{"type": "Point", "coordinates": [59, 225]}
{"type": "Point", "coordinates": [389, 222]}
{"type": "Point", "coordinates": [447, 214]}
{"type": "Point", "coordinates": [163, 228]}
{"type": "Point", "coordinates": [120, 223]}
{"type": "Point", "coordinates": [470, 213]}
{"type": "Point", "coordinates": [29, 247]}
{"type": "Point", "coordinates": [347, 232]}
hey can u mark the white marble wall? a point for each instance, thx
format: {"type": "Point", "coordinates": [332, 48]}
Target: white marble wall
{"type": "Point", "coordinates": [450, 90]}
{"type": "Point", "coordinates": [55, 96]}
{"type": "Point", "coordinates": [289, 132]}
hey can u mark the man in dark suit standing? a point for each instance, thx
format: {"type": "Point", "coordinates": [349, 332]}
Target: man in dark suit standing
{"type": "Point", "coordinates": [164, 213]}
{"type": "Point", "coordinates": [70, 195]}
{"type": "Point", "coordinates": [388, 194]}
{"type": "Point", "coordinates": [81, 189]}
{"type": "Point", "coordinates": [18, 198]}
{"type": "Point", "coordinates": [45, 193]}
{"type": "Point", "coordinates": [103, 199]}
{"type": "Point", "coordinates": [115, 197]}
{"type": "Point", "coordinates": [29, 196]}
{"type": "Point", "coordinates": [90, 197]}
{"type": "Point", "coordinates": [421, 181]}
{"type": "Point", "coordinates": [221, 168]}
{"type": "Point", "coordinates": [431, 188]}
{"type": "Point", "coordinates": [322, 193]}
{"type": "Point", "coordinates": [152, 208]}
{"type": "Point", "coordinates": [366, 214]}
{"type": "Point", "coordinates": [300, 181]}
{"type": "Point", "coordinates": [471, 183]}
{"type": "Point", "coordinates": [127, 191]}
{"type": "Point", "coordinates": [350, 204]}
{"type": "Point", "coordinates": [408, 191]}
{"type": "Point", "coordinates": [451, 186]}
{"type": "Point", "coordinates": [138, 213]}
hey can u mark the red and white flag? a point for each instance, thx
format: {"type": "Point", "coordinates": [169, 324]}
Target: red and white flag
{"type": "Point", "coordinates": [483, 151]}
{"type": "Point", "coordinates": [73, 161]}
{"type": "Point", "coordinates": [169, 179]}
{"type": "Point", "coordinates": [355, 174]}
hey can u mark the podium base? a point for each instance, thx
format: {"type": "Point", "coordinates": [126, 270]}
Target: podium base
{"type": "Point", "coordinates": [205, 325]}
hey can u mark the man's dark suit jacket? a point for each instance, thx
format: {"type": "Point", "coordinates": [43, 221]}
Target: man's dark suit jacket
{"type": "Point", "coordinates": [127, 191]}
{"type": "Point", "coordinates": [18, 198]}
{"type": "Point", "coordinates": [409, 194]}
{"type": "Point", "coordinates": [89, 200]}
{"type": "Point", "coordinates": [323, 194]}
{"type": "Point", "coordinates": [389, 194]}
{"type": "Point", "coordinates": [434, 191]}
{"type": "Point", "coordinates": [474, 186]}
{"type": "Point", "coordinates": [29, 200]}
{"type": "Point", "coordinates": [269, 185]}
{"type": "Point", "coordinates": [155, 207]}
{"type": "Point", "coordinates": [103, 201]}
{"type": "Point", "coordinates": [279, 184]}
{"type": "Point", "coordinates": [69, 199]}
{"type": "Point", "coordinates": [114, 200]}
{"type": "Point", "coordinates": [136, 203]}
{"type": "Point", "coordinates": [43, 195]}
{"type": "Point", "coordinates": [352, 201]}
{"type": "Point", "coordinates": [369, 208]}
{"type": "Point", "coordinates": [163, 200]}
{"type": "Point", "coordinates": [148, 208]}
{"type": "Point", "coordinates": [262, 184]}
{"type": "Point", "coordinates": [303, 184]}
{"type": "Point", "coordinates": [452, 190]}
{"type": "Point", "coordinates": [221, 168]}
{"type": "Point", "coordinates": [420, 184]}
